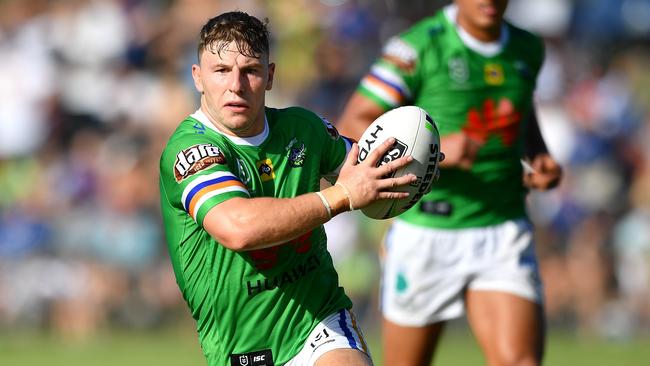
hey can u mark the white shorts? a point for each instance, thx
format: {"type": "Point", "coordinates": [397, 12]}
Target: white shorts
{"type": "Point", "coordinates": [427, 271]}
{"type": "Point", "coordinates": [339, 330]}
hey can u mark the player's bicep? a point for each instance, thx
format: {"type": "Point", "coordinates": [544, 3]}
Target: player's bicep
{"type": "Point", "coordinates": [218, 222]}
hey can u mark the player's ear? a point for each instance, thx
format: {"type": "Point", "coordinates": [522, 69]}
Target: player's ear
{"type": "Point", "coordinates": [269, 82]}
{"type": "Point", "coordinates": [196, 75]}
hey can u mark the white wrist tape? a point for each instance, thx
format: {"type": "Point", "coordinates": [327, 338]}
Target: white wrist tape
{"type": "Point", "coordinates": [347, 194]}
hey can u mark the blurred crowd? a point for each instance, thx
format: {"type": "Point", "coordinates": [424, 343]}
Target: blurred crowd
{"type": "Point", "coordinates": [91, 89]}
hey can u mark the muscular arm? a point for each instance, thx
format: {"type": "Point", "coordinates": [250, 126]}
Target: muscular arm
{"type": "Point", "coordinates": [253, 223]}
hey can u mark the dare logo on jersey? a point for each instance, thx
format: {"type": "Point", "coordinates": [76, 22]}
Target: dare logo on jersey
{"type": "Point", "coordinates": [196, 158]}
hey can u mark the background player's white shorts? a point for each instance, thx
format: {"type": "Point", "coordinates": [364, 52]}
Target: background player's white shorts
{"type": "Point", "coordinates": [426, 271]}
{"type": "Point", "coordinates": [339, 330]}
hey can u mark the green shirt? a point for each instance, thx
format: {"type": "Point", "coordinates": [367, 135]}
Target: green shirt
{"type": "Point", "coordinates": [487, 96]}
{"type": "Point", "coordinates": [263, 299]}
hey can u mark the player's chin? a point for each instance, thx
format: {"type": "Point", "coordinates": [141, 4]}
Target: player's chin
{"type": "Point", "coordinates": [237, 117]}
{"type": "Point", "coordinates": [490, 22]}
{"type": "Point", "coordinates": [238, 124]}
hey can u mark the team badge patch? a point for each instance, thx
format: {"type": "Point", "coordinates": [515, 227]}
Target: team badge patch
{"type": "Point", "coordinates": [297, 152]}
{"type": "Point", "coordinates": [331, 130]}
{"type": "Point", "coordinates": [494, 74]}
{"type": "Point", "coordinates": [458, 70]}
{"type": "Point", "coordinates": [265, 170]}
{"type": "Point", "coordinates": [524, 71]}
{"type": "Point", "coordinates": [199, 128]}
{"type": "Point", "coordinates": [243, 172]}
{"type": "Point", "coordinates": [196, 158]}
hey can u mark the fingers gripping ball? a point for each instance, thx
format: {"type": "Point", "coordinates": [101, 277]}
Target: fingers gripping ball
{"type": "Point", "coordinates": [415, 134]}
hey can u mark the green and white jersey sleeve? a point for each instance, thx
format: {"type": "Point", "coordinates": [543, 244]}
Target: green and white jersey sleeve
{"type": "Point", "coordinates": [268, 299]}
{"type": "Point", "coordinates": [196, 176]}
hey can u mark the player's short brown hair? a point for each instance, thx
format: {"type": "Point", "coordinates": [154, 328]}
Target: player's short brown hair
{"type": "Point", "coordinates": [249, 33]}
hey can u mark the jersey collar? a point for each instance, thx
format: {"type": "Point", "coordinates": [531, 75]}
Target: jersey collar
{"type": "Point", "coordinates": [487, 49]}
{"type": "Point", "coordinates": [256, 140]}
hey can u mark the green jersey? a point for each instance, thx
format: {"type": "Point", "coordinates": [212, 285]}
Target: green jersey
{"type": "Point", "coordinates": [263, 300]}
{"type": "Point", "coordinates": [485, 90]}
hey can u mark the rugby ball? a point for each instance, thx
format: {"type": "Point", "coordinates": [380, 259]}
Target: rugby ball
{"type": "Point", "coordinates": [415, 134]}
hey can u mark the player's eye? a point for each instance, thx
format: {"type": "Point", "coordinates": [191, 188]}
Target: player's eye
{"type": "Point", "coordinates": [252, 70]}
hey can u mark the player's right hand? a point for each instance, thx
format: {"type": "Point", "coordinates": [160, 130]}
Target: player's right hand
{"type": "Point", "coordinates": [545, 173]}
{"type": "Point", "coordinates": [365, 181]}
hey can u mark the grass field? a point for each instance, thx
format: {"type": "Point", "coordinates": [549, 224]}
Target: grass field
{"type": "Point", "coordinates": [178, 346]}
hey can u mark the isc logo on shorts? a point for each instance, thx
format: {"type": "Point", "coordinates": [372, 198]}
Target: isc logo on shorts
{"type": "Point", "coordinates": [257, 358]}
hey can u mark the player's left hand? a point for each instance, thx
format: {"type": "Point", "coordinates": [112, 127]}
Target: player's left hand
{"type": "Point", "coordinates": [366, 182]}
{"type": "Point", "coordinates": [546, 173]}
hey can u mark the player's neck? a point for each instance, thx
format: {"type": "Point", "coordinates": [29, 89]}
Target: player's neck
{"type": "Point", "coordinates": [245, 131]}
{"type": "Point", "coordinates": [483, 34]}
{"type": "Point", "coordinates": [255, 140]}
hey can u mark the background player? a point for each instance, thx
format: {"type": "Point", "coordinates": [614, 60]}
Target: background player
{"type": "Point", "coordinates": [468, 245]}
{"type": "Point", "coordinates": [244, 227]}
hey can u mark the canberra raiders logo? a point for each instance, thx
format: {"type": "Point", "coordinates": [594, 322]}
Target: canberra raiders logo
{"type": "Point", "coordinates": [296, 153]}
{"type": "Point", "coordinates": [196, 158]}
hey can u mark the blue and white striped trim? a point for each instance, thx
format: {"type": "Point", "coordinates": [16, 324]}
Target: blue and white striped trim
{"type": "Point", "coordinates": [387, 85]}
{"type": "Point", "coordinates": [346, 330]}
{"type": "Point", "coordinates": [204, 187]}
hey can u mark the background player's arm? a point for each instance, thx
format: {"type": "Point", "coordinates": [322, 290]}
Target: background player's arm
{"type": "Point", "coordinates": [358, 114]}
{"type": "Point", "coordinates": [253, 223]}
{"type": "Point", "coordinates": [546, 172]}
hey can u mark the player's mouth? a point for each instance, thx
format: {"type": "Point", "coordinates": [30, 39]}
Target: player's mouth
{"type": "Point", "coordinates": [237, 107]}
{"type": "Point", "coordinates": [489, 10]}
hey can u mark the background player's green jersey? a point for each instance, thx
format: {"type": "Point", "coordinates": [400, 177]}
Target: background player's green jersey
{"type": "Point", "coordinates": [267, 299]}
{"type": "Point", "coordinates": [485, 91]}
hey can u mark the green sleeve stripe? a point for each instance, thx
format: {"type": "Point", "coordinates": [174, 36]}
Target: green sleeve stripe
{"type": "Point", "coordinates": [380, 102]}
